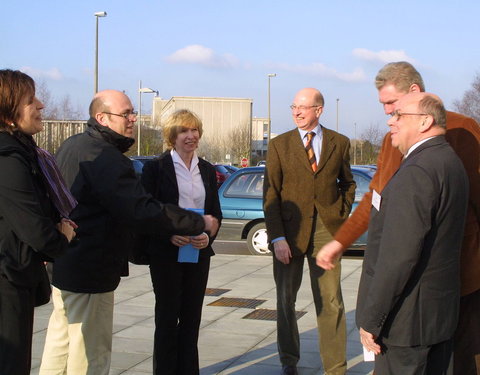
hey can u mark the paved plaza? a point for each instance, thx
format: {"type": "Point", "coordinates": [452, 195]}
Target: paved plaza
{"type": "Point", "coordinates": [229, 343]}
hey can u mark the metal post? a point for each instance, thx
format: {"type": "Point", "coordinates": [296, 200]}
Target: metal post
{"type": "Point", "coordinates": [139, 118]}
{"type": "Point", "coordinates": [139, 125]}
{"type": "Point", "coordinates": [95, 80]}
{"type": "Point", "coordinates": [269, 130]}
{"type": "Point", "coordinates": [337, 113]}
{"type": "Point", "coordinates": [355, 144]}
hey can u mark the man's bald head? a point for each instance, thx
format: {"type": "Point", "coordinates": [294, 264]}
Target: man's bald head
{"type": "Point", "coordinates": [113, 109]}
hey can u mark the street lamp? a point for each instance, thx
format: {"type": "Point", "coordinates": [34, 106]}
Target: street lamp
{"type": "Point", "coordinates": [97, 14]}
{"type": "Point", "coordinates": [141, 90]}
{"type": "Point", "coordinates": [270, 75]}
{"type": "Point", "coordinates": [337, 113]}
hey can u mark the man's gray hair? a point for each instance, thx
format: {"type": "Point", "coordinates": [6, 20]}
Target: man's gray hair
{"type": "Point", "coordinates": [434, 107]}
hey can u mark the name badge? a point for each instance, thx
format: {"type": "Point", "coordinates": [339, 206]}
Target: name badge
{"type": "Point", "coordinates": [376, 200]}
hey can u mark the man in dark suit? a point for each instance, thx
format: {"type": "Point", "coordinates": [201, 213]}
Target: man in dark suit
{"type": "Point", "coordinates": [409, 290]}
{"type": "Point", "coordinates": [308, 193]}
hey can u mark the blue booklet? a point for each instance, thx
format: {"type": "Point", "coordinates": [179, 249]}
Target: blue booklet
{"type": "Point", "coordinates": [188, 253]}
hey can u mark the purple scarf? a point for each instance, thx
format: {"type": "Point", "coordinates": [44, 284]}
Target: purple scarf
{"type": "Point", "coordinates": [57, 189]}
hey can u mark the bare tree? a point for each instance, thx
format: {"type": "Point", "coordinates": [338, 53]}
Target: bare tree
{"type": "Point", "coordinates": [469, 105]}
{"type": "Point", "coordinates": [212, 148]}
{"type": "Point", "coordinates": [56, 110]}
{"type": "Point", "coordinates": [43, 94]}
{"type": "Point", "coordinates": [239, 142]}
{"type": "Point", "coordinates": [369, 146]}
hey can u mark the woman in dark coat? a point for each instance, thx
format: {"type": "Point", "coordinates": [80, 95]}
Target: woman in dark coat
{"type": "Point", "coordinates": [180, 277]}
{"type": "Point", "coordinates": [32, 230]}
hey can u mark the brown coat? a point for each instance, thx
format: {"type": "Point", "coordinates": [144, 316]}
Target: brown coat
{"type": "Point", "coordinates": [463, 134]}
{"type": "Point", "coordinates": [292, 190]}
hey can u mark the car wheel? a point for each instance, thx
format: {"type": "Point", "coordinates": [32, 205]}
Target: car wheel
{"type": "Point", "coordinates": [257, 240]}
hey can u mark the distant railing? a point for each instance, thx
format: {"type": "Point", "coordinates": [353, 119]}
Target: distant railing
{"type": "Point", "coordinates": [56, 131]}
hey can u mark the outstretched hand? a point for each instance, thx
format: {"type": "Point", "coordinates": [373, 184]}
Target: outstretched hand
{"type": "Point", "coordinates": [329, 255]}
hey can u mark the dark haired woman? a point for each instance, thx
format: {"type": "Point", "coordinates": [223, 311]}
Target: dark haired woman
{"type": "Point", "coordinates": [34, 224]}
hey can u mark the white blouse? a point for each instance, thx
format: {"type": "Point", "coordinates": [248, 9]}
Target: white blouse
{"type": "Point", "coordinates": [191, 191]}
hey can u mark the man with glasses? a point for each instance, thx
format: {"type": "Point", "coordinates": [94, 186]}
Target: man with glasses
{"type": "Point", "coordinates": [308, 193]}
{"type": "Point", "coordinates": [394, 81]}
{"type": "Point", "coordinates": [112, 206]}
{"type": "Point", "coordinates": [407, 304]}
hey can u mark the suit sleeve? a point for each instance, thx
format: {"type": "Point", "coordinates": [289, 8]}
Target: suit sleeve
{"type": "Point", "coordinates": [272, 194]}
{"type": "Point", "coordinates": [407, 221]}
{"type": "Point", "coordinates": [22, 210]}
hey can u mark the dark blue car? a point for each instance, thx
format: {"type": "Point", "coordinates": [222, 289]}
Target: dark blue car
{"type": "Point", "coordinates": [241, 202]}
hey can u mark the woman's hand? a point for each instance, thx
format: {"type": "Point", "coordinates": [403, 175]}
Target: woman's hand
{"type": "Point", "coordinates": [67, 228]}
{"type": "Point", "coordinates": [201, 241]}
{"type": "Point", "coordinates": [179, 240]}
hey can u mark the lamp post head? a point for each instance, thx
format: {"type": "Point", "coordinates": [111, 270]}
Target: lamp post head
{"type": "Point", "coordinates": [100, 14]}
{"type": "Point", "coordinates": [147, 90]}
{"type": "Point", "coordinates": [272, 75]}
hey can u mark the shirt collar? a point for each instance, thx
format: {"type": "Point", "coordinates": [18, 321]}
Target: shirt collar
{"type": "Point", "coordinates": [317, 129]}
{"type": "Point", "coordinates": [411, 149]}
{"type": "Point", "coordinates": [177, 159]}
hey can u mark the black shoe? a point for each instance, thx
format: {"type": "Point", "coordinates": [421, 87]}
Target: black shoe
{"type": "Point", "coordinates": [289, 370]}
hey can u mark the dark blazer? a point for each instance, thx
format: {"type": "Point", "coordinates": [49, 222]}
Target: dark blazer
{"type": "Point", "coordinates": [410, 287]}
{"type": "Point", "coordinates": [159, 179]}
{"type": "Point", "coordinates": [292, 190]}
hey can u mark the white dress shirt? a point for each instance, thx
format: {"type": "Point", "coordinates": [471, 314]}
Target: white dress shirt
{"type": "Point", "coordinates": [191, 191]}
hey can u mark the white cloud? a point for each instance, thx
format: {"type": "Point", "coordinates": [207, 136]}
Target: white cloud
{"type": "Point", "coordinates": [53, 73]}
{"type": "Point", "coordinates": [318, 69]}
{"type": "Point", "coordinates": [201, 55]}
{"type": "Point", "coordinates": [382, 56]}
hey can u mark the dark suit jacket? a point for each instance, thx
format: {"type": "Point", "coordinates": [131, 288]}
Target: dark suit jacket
{"type": "Point", "coordinates": [410, 287]}
{"type": "Point", "coordinates": [292, 190]}
{"type": "Point", "coordinates": [159, 179]}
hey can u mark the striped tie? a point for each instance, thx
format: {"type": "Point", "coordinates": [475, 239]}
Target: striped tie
{"type": "Point", "coordinates": [310, 152]}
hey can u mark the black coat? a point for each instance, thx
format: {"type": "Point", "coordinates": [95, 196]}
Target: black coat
{"type": "Point", "coordinates": [410, 286]}
{"type": "Point", "coordinates": [28, 233]}
{"type": "Point", "coordinates": [159, 179]}
{"type": "Point", "coordinates": [112, 206]}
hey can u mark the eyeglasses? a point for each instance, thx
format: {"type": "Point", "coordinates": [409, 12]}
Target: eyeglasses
{"type": "Point", "coordinates": [397, 114]}
{"type": "Point", "coordinates": [128, 115]}
{"type": "Point", "coordinates": [293, 107]}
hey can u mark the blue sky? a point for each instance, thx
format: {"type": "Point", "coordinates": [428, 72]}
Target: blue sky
{"type": "Point", "coordinates": [227, 48]}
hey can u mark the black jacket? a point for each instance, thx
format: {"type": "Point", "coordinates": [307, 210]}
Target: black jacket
{"type": "Point", "coordinates": [112, 206]}
{"type": "Point", "coordinates": [28, 233]}
{"type": "Point", "coordinates": [159, 179]}
{"type": "Point", "coordinates": [410, 286]}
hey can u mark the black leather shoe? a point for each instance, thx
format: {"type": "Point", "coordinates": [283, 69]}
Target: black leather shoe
{"type": "Point", "coordinates": [289, 370]}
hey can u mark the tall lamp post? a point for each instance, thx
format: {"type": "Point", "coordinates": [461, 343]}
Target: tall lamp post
{"type": "Point", "coordinates": [270, 75]}
{"type": "Point", "coordinates": [337, 113]}
{"type": "Point", "coordinates": [97, 14]}
{"type": "Point", "coordinates": [141, 90]}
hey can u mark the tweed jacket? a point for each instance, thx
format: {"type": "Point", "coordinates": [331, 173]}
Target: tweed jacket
{"type": "Point", "coordinates": [463, 134]}
{"type": "Point", "coordinates": [292, 191]}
